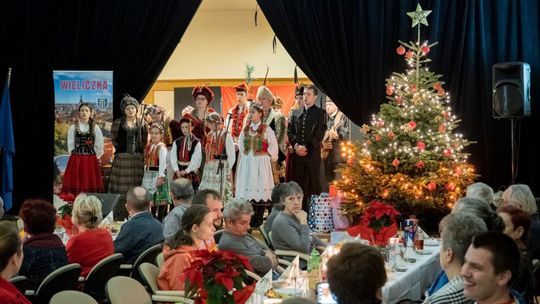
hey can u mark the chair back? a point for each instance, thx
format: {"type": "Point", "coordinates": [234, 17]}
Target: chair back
{"type": "Point", "coordinates": [149, 273]}
{"type": "Point", "coordinates": [266, 237]}
{"type": "Point", "coordinates": [149, 256]}
{"type": "Point", "coordinates": [63, 278]}
{"type": "Point", "coordinates": [124, 290]}
{"type": "Point", "coordinates": [160, 259]}
{"type": "Point", "coordinates": [253, 275]}
{"type": "Point", "coordinates": [72, 296]}
{"type": "Point", "coordinates": [100, 274]}
{"type": "Point", "coordinates": [20, 282]}
{"type": "Point", "coordinates": [217, 235]}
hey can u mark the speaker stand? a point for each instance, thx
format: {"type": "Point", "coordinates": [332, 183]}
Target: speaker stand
{"type": "Point", "coordinates": [514, 149]}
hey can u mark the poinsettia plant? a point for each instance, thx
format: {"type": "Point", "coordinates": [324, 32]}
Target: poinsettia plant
{"type": "Point", "coordinates": [64, 217]}
{"type": "Point", "coordinates": [217, 277]}
{"type": "Point", "coordinates": [378, 215]}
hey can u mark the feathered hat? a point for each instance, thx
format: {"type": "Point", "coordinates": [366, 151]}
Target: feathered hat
{"type": "Point", "coordinates": [264, 92]}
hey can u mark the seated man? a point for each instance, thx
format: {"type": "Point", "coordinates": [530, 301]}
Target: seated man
{"type": "Point", "coordinates": [142, 231]}
{"type": "Point", "coordinates": [211, 199]}
{"type": "Point", "coordinates": [458, 229]}
{"type": "Point", "coordinates": [182, 194]}
{"type": "Point", "coordinates": [237, 215]}
{"type": "Point", "coordinates": [491, 262]}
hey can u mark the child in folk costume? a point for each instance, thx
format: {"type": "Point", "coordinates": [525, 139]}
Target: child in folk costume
{"type": "Point", "coordinates": [219, 158]}
{"type": "Point", "coordinates": [85, 143]}
{"type": "Point", "coordinates": [155, 170]}
{"type": "Point", "coordinates": [129, 137]}
{"type": "Point", "coordinates": [186, 155]}
{"type": "Point", "coordinates": [257, 146]}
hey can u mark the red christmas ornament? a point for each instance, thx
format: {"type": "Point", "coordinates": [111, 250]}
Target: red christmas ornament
{"type": "Point", "coordinates": [442, 128]}
{"type": "Point", "coordinates": [399, 99]}
{"type": "Point", "coordinates": [377, 137]}
{"type": "Point", "coordinates": [425, 49]}
{"type": "Point", "coordinates": [431, 186]}
{"type": "Point", "coordinates": [441, 92]}
{"type": "Point", "coordinates": [368, 142]}
{"type": "Point", "coordinates": [437, 86]}
{"type": "Point", "coordinates": [412, 87]}
{"type": "Point", "coordinates": [412, 125]}
{"type": "Point", "coordinates": [458, 171]}
{"type": "Point", "coordinates": [391, 135]}
{"type": "Point", "coordinates": [445, 114]}
{"type": "Point", "coordinates": [421, 145]}
{"type": "Point", "coordinates": [447, 152]}
{"type": "Point", "coordinates": [409, 54]}
{"type": "Point", "coordinates": [395, 162]}
{"type": "Point", "coordinates": [400, 50]}
{"type": "Point", "coordinates": [380, 123]}
{"type": "Point", "coordinates": [450, 186]}
{"type": "Point", "coordinates": [420, 164]}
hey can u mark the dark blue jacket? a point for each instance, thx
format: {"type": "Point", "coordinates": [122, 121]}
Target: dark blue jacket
{"type": "Point", "coordinates": [43, 254]}
{"type": "Point", "coordinates": [138, 234]}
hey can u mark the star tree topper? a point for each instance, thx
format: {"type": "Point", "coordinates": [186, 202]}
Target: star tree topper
{"type": "Point", "coordinates": [419, 16]}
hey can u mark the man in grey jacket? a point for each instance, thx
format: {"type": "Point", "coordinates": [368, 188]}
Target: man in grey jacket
{"type": "Point", "coordinates": [237, 215]}
{"type": "Point", "coordinates": [182, 193]}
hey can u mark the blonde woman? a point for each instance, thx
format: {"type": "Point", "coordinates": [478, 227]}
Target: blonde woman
{"type": "Point", "coordinates": [91, 244]}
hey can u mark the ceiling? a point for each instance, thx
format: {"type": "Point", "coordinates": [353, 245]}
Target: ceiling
{"type": "Point", "coordinates": [227, 5]}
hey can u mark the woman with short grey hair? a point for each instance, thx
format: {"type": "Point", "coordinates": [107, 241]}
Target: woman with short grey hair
{"type": "Point", "coordinates": [481, 210]}
{"type": "Point", "coordinates": [521, 196]}
{"type": "Point", "coordinates": [480, 191]}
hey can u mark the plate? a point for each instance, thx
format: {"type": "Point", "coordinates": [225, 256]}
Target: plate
{"type": "Point", "coordinates": [431, 242]}
{"type": "Point", "coordinates": [423, 252]}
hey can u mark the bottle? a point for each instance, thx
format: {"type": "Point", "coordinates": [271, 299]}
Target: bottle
{"type": "Point", "coordinates": [314, 261]}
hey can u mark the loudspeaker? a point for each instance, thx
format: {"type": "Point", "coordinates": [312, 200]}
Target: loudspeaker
{"type": "Point", "coordinates": [511, 89]}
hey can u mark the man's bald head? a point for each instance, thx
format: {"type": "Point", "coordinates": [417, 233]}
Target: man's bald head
{"type": "Point", "coordinates": [137, 198]}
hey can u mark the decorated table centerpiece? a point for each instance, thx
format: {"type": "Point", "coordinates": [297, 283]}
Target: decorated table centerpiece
{"type": "Point", "coordinates": [217, 277]}
{"type": "Point", "coordinates": [377, 224]}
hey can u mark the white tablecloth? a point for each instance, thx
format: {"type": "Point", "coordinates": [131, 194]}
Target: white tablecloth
{"type": "Point", "coordinates": [412, 283]}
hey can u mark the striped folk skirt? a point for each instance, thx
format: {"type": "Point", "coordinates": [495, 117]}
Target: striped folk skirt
{"type": "Point", "coordinates": [127, 172]}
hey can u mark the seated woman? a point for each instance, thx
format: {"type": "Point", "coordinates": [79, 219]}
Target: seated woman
{"type": "Point", "coordinates": [517, 224]}
{"type": "Point", "coordinates": [290, 230]}
{"type": "Point", "coordinates": [277, 198]}
{"type": "Point", "coordinates": [91, 244]}
{"type": "Point", "coordinates": [197, 227]}
{"type": "Point", "coordinates": [43, 250]}
{"type": "Point", "coordinates": [11, 256]}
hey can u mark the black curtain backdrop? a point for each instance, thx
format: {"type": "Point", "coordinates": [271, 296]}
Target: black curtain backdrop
{"type": "Point", "coordinates": [132, 38]}
{"type": "Point", "coordinates": [347, 48]}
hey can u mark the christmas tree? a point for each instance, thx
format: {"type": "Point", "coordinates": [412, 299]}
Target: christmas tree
{"type": "Point", "coordinates": [409, 156]}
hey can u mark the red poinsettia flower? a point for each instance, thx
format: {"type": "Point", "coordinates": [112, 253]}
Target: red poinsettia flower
{"type": "Point", "coordinates": [215, 275]}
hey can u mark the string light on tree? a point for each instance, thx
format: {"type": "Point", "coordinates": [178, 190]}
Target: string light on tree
{"type": "Point", "coordinates": [409, 155]}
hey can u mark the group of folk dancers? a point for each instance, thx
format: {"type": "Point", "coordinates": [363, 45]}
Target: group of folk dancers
{"type": "Point", "coordinates": [249, 148]}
